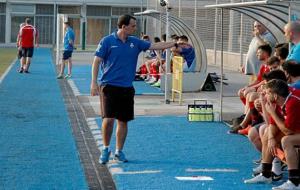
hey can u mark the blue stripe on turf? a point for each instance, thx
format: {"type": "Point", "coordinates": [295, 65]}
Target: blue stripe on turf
{"type": "Point", "coordinates": [173, 147]}
{"type": "Point", "coordinates": [37, 147]}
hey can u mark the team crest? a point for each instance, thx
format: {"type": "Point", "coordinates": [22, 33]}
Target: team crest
{"type": "Point", "coordinates": [131, 45]}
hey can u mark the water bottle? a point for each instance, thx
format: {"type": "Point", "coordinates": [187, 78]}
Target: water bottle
{"type": "Point", "coordinates": [191, 113]}
{"type": "Point", "coordinates": [209, 113]}
{"type": "Point", "coordinates": [202, 113]}
{"type": "Point", "coordinates": [197, 114]}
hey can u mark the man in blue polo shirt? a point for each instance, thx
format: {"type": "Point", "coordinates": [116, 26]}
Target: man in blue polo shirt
{"type": "Point", "coordinates": [69, 39]}
{"type": "Point", "coordinates": [117, 56]}
{"type": "Point", "coordinates": [292, 35]}
{"type": "Point", "coordinates": [187, 51]}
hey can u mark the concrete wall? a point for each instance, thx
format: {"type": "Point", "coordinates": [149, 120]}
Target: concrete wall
{"type": "Point", "coordinates": [231, 61]}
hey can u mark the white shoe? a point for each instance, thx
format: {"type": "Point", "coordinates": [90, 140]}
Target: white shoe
{"type": "Point", "coordinates": [152, 80]}
{"type": "Point", "coordinates": [259, 179]}
{"type": "Point", "coordinates": [276, 166]}
{"type": "Point", "coordinates": [287, 186]}
{"type": "Point", "coordinates": [147, 78]}
{"type": "Point", "coordinates": [257, 170]}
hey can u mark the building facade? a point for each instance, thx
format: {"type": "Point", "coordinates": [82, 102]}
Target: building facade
{"type": "Point", "coordinates": [90, 19]}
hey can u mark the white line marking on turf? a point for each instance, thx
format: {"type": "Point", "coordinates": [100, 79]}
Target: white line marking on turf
{"type": "Point", "coordinates": [210, 170]}
{"type": "Point", "coordinates": [74, 87]}
{"type": "Point", "coordinates": [195, 178]}
{"type": "Point", "coordinates": [7, 70]}
{"type": "Point", "coordinates": [116, 172]}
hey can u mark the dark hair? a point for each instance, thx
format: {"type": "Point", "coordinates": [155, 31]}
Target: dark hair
{"type": "Point", "coordinates": [292, 68]}
{"type": "Point", "coordinates": [184, 37]}
{"type": "Point", "coordinates": [282, 52]}
{"type": "Point", "coordinates": [278, 87]}
{"type": "Point", "coordinates": [146, 37]}
{"type": "Point", "coordinates": [28, 21]}
{"type": "Point", "coordinates": [164, 37]}
{"type": "Point", "coordinates": [275, 74]}
{"type": "Point", "coordinates": [273, 60]}
{"type": "Point", "coordinates": [266, 48]}
{"type": "Point", "coordinates": [174, 37]}
{"type": "Point", "coordinates": [125, 20]}
{"type": "Point", "coordinates": [156, 39]}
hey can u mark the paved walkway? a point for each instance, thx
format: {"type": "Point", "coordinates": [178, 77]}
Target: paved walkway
{"type": "Point", "coordinates": [37, 146]}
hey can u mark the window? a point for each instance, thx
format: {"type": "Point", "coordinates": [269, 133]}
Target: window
{"type": "Point", "coordinates": [2, 8]}
{"type": "Point", "coordinates": [44, 9]}
{"type": "Point", "coordinates": [22, 8]}
{"type": "Point", "coordinates": [69, 9]}
{"type": "Point", "coordinates": [98, 11]}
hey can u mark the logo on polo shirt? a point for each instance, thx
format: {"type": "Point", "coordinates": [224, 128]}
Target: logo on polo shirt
{"type": "Point", "coordinates": [131, 45]}
{"type": "Point", "coordinates": [113, 46]}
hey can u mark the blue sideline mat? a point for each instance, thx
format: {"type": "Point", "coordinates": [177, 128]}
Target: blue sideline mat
{"type": "Point", "coordinates": [37, 146]}
{"type": "Point", "coordinates": [172, 154]}
{"type": "Point", "coordinates": [81, 75]}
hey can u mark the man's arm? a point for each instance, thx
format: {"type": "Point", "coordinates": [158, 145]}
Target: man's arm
{"type": "Point", "coordinates": [161, 45]}
{"type": "Point", "coordinates": [95, 71]}
{"type": "Point", "coordinates": [279, 122]}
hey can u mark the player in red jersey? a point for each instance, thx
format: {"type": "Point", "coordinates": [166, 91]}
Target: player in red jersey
{"type": "Point", "coordinates": [28, 37]}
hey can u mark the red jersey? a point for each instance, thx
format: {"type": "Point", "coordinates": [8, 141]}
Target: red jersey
{"type": "Point", "coordinates": [292, 110]}
{"type": "Point", "coordinates": [28, 34]}
{"type": "Point", "coordinates": [262, 70]}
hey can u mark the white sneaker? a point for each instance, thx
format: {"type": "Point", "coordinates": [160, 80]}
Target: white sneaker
{"type": "Point", "coordinates": [276, 166]}
{"type": "Point", "coordinates": [287, 186]}
{"type": "Point", "coordinates": [152, 80]}
{"type": "Point", "coordinates": [259, 179]}
{"type": "Point", "coordinates": [257, 170]}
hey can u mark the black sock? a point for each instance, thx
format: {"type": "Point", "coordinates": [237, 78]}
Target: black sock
{"type": "Point", "coordinates": [267, 170]}
{"type": "Point", "coordinates": [294, 176]}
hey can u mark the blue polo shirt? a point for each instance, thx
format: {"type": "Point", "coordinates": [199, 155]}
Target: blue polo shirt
{"type": "Point", "coordinates": [69, 36]}
{"type": "Point", "coordinates": [119, 59]}
{"type": "Point", "coordinates": [188, 54]}
{"type": "Point", "coordinates": [294, 53]}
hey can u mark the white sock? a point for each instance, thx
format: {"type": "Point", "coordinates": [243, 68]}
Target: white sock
{"type": "Point", "coordinates": [117, 151]}
{"type": "Point", "coordinates": [276, 166]}
{"type": "Point", "coordinates": [104, 147]}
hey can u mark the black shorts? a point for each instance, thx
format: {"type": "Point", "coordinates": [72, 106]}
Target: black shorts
{"type": "Point", "coordinates": [67, 54]}
{"type": "Point", "coordinates": [27, 52]}
{"type": "Point", "coordinates": [117, 102]}
{"type": "Point", "coordinates": [19, 53]}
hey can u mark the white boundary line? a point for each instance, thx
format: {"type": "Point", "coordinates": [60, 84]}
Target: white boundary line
{"type": "Point", "coordinates": [74, 87]}
{"type": "Point", "coordinates": [211, 170]}
{"type": "Point", "coordinates": [8, 69]}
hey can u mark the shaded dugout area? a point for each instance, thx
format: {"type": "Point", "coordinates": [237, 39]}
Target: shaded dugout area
{"type": "Point", "coordinates": [82, 79]}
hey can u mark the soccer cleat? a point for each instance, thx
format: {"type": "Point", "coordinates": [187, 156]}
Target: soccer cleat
{"type": "Point", "coordinates": [257, 170]}
{"type": "Point", "coordinates": [244, 131]}
{"type": "Point", "coordinates": [258, 179]}
{"type": "Point", "coordinates": [20, 70]}
{"type": "Point", "coordinates": [68, 76]}
{"type": "Point", "coordinates": [234, 129]}
{"type": "Point", "coordinates": [104, 158]}
{"type": "Point", "coordinates": [258, 161]}
{"type": "Point", "coordinates": [157, 84]}
{"type": "Point", "coordinates": [287, 186]}
{"type": "Point", "coordinates": [120, 157]}
{"type": "Point", "coordinates": [151, 81]}
{"type": "Point", "coordinates": [276, 177]}
{"type": "Point", "coordinates": [60, 77]}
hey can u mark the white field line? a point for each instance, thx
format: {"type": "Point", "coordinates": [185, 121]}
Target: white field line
{"type": "Point", "coordinates": [194, 178]}
{"type": "Point", "coordinates": [211, 170]}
